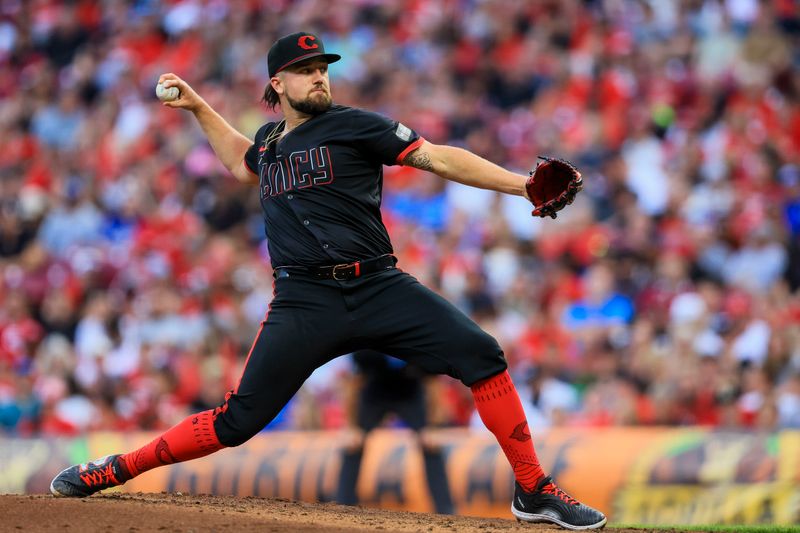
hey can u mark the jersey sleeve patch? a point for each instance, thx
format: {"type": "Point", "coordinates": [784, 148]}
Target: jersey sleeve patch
{"type": "Point", "coordinates": [403, 133]}
{"type": "Point", "coordinates": [380, 137]}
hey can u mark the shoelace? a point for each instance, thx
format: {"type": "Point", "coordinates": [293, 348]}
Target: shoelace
{"type": "Point", "coordinates": [99, 476]}
{"type": "Point", "coordinates": [553, 490]}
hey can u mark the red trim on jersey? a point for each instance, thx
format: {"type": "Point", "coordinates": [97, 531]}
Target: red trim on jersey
{"type": "Point", "coordinates": [410, 148]}
{"type": "Point", "coordinates": [248, 167]}
{"type": "Point", "coordinates": [358, 268]}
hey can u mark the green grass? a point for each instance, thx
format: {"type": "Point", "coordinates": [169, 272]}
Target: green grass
{"type": "Point", "coordinates": [732, 529]}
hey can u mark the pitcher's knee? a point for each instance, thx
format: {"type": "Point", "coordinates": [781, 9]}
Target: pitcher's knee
{"type": "Point", "coordinates": [236, 422]}
{"type": "Point", "coordinates": [483, 358]}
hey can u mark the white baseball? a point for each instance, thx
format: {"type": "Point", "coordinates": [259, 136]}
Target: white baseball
{"type": "Point", "coordinates": [167, 94]}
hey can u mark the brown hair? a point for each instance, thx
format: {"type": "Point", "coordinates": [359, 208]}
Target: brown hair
{"type": "Point", "coordinates": [270, 97]}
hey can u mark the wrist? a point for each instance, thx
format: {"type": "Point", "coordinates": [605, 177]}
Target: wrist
{"type": "Point", "coordinates": [523, 187]}
{"type": "Point", "coordinates": [200, 108]}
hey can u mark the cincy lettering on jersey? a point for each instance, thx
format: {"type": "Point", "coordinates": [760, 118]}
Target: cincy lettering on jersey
{"type": "Point", "coordinates": [301, 169]}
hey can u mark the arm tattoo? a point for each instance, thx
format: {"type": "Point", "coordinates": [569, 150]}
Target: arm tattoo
{"type": "Point", "coordinates": [419, 159]}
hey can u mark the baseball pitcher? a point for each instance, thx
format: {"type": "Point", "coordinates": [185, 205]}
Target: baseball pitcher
{"type": "Point", "coordinates": [318, 173]}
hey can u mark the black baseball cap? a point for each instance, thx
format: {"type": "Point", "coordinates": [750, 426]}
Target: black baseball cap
{"type": "Point", "coordinates": [296, 47]}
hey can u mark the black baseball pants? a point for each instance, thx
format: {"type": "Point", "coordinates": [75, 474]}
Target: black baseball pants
{"type": "Point", "coordinates": [313, 321]}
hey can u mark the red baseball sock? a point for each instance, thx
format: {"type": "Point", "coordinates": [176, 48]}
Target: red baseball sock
{"type": "Point", "coordinates": [501, 411]}
{"type": "Point", "coordinates": [192, 438]}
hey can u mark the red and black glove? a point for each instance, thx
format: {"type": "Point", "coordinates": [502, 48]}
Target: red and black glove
{"type": "Point", "coordinates": [552, 185]}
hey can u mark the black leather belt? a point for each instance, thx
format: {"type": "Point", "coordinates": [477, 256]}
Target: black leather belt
{"type": "Point", "coordinates": [341, 272]}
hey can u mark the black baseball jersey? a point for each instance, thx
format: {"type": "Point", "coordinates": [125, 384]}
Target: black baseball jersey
{"type": "Point", "coordinates": [320, 185]}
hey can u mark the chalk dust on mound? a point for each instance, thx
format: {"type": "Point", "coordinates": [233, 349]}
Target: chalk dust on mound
{"type": "Point", "coordinates": [163, 513]}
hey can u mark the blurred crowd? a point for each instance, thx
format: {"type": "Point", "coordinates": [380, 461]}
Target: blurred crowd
{"type": "Point", "coordinates": [133, 268]}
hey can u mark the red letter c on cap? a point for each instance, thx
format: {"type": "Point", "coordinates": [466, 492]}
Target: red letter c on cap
{"type": "Point", "coordinates": [302, 42]}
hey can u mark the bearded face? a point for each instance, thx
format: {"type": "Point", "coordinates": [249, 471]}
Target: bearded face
{"type": "Point", "coordinates": [316, 102]}
{"type": "Point", "coordinates": [307, 87]}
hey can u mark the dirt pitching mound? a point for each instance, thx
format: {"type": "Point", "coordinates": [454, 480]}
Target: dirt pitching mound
{"type": "Point", "coordinates": [164, 513]}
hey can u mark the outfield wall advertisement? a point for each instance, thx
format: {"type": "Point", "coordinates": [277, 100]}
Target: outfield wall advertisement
{"type": "Point", "coordinates": [643, 476]}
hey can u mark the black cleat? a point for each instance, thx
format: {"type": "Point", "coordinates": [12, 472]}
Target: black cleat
{"type": "Point", "coordinates": [85, 479]}
{"type": "Point", "coordinates": [550, 504]}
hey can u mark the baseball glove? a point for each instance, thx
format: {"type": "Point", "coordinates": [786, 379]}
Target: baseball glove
{"type": "Point", "coordinates": [552, 185]}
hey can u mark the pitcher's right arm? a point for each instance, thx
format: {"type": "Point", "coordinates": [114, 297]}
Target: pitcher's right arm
{"type": "Point", "coordinates": [229, 145]}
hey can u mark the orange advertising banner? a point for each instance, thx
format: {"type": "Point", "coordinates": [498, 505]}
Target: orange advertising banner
{"type": "Point", "coordinates": [635, 475]}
